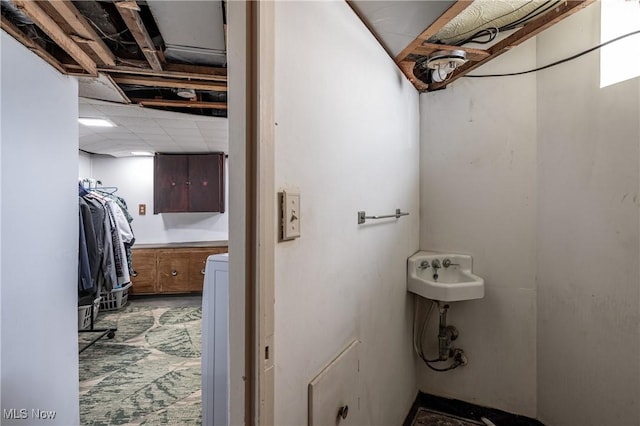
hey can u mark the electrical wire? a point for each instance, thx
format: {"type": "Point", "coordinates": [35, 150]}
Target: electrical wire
{"type": "Point", "coordinates": [495, 19]}
{"type": "Point", "coordinates": [561, 61]}
{"type": "Point", "coordinates": [523, 20]}
{"type": "Point", "coordinates": [107, 36]}
{"type": "Point", "coordinates": [530, 15]}
{"type": "Point", "coordinates": [492, 32]}
{"type": "Point", "coordinates": [455, 365]}
{"type": "Point", "coordinates": [418, 347]}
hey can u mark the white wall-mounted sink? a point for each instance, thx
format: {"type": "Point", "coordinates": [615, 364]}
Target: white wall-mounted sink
{"type": "Point", "coordinates": [446, 277]}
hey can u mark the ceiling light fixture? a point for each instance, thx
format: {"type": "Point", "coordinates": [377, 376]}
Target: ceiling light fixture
{"type": "Point", "coordinates": [95, 122]}
{"type": "Point", "coordinates": [142, 153]}
{"type": "Point", "coordinates": [444, 62]}
{"type": "Point", "coordinates": [439, 65]}
{"type": "Point", "coordinates": [186, 93]}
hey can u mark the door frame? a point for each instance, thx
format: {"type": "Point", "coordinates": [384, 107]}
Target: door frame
{"type": "Point", "coordinates": [252, 235]}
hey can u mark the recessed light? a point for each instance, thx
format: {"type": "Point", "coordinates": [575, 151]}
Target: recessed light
{"type": "Point", "coordinates": [95, 122]}
{"type": "Point", "coordinates": [142, 153]}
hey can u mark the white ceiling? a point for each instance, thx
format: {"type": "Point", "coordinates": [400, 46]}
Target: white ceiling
{"type": "Point", "coordinates": [145, 129]}
{"type": "Point", "coordinates": [398, 22]}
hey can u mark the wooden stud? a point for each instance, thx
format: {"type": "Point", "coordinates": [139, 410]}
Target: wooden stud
{"type": "Point", "coordinates": [407, 70]}
{"type": "Point", "coordinates": [448, 15]}
{"type": "Point", "coordinates": [128, 10]}
{"type": "Point", "coordinates": [173, 83]}
{"type": "Point", "coordinates": [212, 72]}
{"type": "Point", "coordinates": [179, 104]}
{"type": "Point", "coordinates": [51, 28]}
{"type": "Point", "coordinates": [525, 33]}
{"type": "Point", "coordinates": [14, 32]}
{"type": "Point", "coordinates": [472, 54]}
{"type": "Point", "coordinates": [84, 33]}
{"type": "Point", "coordinates": [202, 73]}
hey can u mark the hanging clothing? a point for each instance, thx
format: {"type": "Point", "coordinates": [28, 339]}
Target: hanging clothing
{"type": "Point", "coordinates": [89, 235]}
{"type": "Point", "coordinates": [106, 274]}
{"type": "Point", "coordinates": [106, 238]}
{"type": "Point", "coordinates": [85, 282]}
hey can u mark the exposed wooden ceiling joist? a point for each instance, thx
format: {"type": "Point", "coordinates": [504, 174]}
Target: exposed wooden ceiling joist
{"type": "Point", "coordinates": [179, 104]}
{"type": "Point", "coordinates": [201, 70]}
{"type": "Point", "coordinates": [128, 10]}
{"type": "Point", "coordinates": [83, 31]}
{"type": "Point", "coordinates": [530, 30]}
{"type": "Point", "coordinates": [472, 54]}
{"type": "Point", "coordinates": [168, 73]}
{"type": "Point", "coordinates": [29, 44]}
{"type": "Point", "coordinates": [170, 83]}
{"type": "Point", "coordinates": [53, 30]}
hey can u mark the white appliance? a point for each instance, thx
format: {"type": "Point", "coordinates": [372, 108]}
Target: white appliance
{"type": "Point", "coordinates": [215, 341]}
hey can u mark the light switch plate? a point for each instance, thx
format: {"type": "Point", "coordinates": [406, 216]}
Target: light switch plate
{"type": "Point", "coordinates": [290, 219]}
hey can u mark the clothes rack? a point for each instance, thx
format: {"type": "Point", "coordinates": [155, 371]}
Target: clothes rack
{"type": "Point", "coordinates": [105, 242]}
{"type": "Point", "coordinates": [109, 332]}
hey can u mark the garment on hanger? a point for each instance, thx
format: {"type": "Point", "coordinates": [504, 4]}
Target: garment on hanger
{"type": "Point", "coordinates": [105, 248]}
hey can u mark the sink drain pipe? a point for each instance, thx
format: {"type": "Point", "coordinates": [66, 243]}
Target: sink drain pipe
{"type": "Point", "coordinates": [446, 335]}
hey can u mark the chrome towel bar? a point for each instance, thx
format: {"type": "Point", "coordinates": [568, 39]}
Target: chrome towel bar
{"type": "Point", "coordinates": [362, 216]}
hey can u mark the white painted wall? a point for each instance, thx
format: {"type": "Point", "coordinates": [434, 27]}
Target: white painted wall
{"type": "Point", "coordinates": [134, 178]}
{"type": "Point", "coordinates": [39, 237]}
{"type": "Point", "coordinates": [588, 234]}
{"type": "Point", "coordinates": [478, 196]}
{"type": "Point", "coordinates": [537, 176]}
{"type": "Point", "coordinates": [84, 165]}
{"type": "Point", "coordinates": [346, 135]}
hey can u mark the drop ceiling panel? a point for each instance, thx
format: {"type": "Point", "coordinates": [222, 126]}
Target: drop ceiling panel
{"type": "Point", "coordinates": [139, 128]}
{"type": "Point", "coordinates": [193, 31]}
{"type": "Point", "coordinates": [100, 87]}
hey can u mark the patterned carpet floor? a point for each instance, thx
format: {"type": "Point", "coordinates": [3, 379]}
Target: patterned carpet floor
{"type": "Point", "coordinates": [149, 373]}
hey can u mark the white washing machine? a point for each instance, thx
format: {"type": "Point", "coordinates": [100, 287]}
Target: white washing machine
{"type": "Point", "coordinates": [215, 341]}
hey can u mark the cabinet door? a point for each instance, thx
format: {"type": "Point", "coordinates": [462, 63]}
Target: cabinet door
{"type": "Point", "coordinates": [197, 263]}
{"type": "Point", "coordinates": [173, 271]}
{"type": "Point", "coordinates": [144, 276]}
{"type": "Point", "coordinates": [171, 183]}
{"type": "Point", "coordinates": [206, 183]}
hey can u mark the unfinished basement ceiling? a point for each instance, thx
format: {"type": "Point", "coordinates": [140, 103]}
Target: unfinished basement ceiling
{"type": "Point", "coordinates": [482, 29]}
{"type": "Point", "coordinates": [170, 55]}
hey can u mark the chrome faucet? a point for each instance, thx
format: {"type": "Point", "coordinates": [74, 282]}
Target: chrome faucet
{"type": "Point", "coordinates": [424, 264]}
{"type": "Point", "coordinates": [435, 264]}
{"type": "Point", "coordinates": [447, 262]}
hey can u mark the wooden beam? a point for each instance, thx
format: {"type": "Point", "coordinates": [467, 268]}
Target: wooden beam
{"type": "Point", "coordinates": [530, 30]}
{"type": "Point", "coordinates": [166, 82]}
{"type": "Point", "coordinates": [448, 15]}
{"type": "Point", "coordinates": [51, 28]}
{"type": "Point", "coordinates": [472, 54]}
{"type": "Point", "coordinates": [14, 32]}
{"type": "Point", "coordinates": [128, 10]}
{"type": "Point", "coordinates": [168, 73]}
{"type": "Point", "coordinates": [179, 104]}
{"type": "Point", "coordinates": [198, 69]}
{"type": "Point", "coordinates": [407, 70]}
{"type": "Point", "coordinates": [83, 31]}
